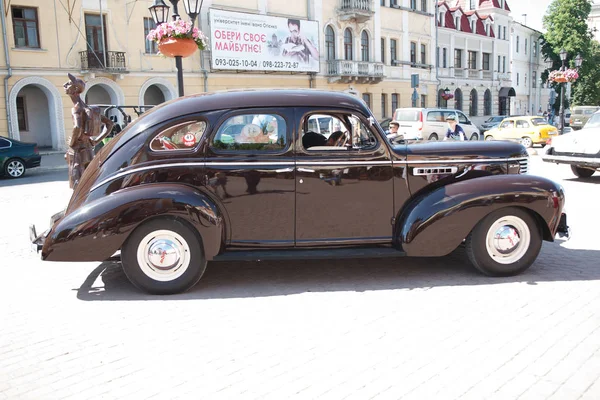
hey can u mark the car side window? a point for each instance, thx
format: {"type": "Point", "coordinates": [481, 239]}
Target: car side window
{"type": "Point", "coordinates": [462, 118]}
{"type": "Point", "coordinates": [4, 143]}
{"type": "Point", "coordinates": [446, 114]}
{"type": "Point", "coordinates": [507, 124]}
{"type": "Point", "coordinates": [339, 133]}
{"type": "Point", "coordinates": [435, 116]}
{"type": "Point", "coordinates": [183, 136]}
{"type": "Point", "coordinates": [522, 124]}
{"type": "Point", "coordinates": [252, 132]}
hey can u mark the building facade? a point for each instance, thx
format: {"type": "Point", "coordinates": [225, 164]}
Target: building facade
{"type": "Point", "coordinates": [365, 47]}
{"type": "Point", "coordinates": [527, 66]}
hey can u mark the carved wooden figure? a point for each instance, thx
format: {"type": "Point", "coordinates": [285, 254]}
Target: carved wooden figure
{"type": "Point", "coordinates": [89, 128]}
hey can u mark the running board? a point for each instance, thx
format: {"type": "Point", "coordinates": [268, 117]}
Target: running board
{"type": "Point", "coordinates": [312, 254]}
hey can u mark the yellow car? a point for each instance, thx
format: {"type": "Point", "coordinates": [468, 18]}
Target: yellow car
{"type": "Point", "coordinates": [530, 130]}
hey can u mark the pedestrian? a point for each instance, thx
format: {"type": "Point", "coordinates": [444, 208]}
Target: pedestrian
{"type": "Point", "coordinates": [455, 131]}
{"type": "Point", "coordinates": [392, 132]}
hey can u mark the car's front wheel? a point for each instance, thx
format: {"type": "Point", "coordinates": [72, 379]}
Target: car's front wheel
{"type": "Point", "coordinates": [14, 168]}
{"type": "Point", "coordinates": [582, 172]}
{"type": "Point", "coordinates": [489, 137]}
{"type": "Point", "coordinates": [504, 243]}
{"type": "Point", "coordinates": [163, 256]}
{"type": "Point", "coordinates": [474, 136]}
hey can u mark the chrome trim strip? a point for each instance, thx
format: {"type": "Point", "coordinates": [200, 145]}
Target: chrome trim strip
{"type": "Point", "coordinates": [479, 160]}
{"type": "Point", "coordinates": [573, 159]}
{"type": "Point", "coordinates": [340, 163]}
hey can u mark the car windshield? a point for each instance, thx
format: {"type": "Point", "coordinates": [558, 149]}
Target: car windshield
{"type": "Point", "coordinates": [407, 115]}
{"type": "Point", "coordinates": [539, 121]}
{"type": "Point", "coordinates": [593, 122]}
{"type": "Point", "coordinates": [494, 119]}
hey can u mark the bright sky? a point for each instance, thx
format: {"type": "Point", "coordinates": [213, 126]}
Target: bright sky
{"type": "Point", "coordinates": [535, 10]}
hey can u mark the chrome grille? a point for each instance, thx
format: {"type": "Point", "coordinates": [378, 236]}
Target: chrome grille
{"type": "Point", "coordinates": [523, 166]}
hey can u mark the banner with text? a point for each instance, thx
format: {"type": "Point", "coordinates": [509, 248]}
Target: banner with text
{"type": "Point", "coordinates": [241, 41]}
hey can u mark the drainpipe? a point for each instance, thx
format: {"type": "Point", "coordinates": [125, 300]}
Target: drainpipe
{"type": "Point", "coordinates": [103, 34]}
{"type": "Point", "coordinates": [311, 76]}
{"type": "Point", "coordinates": [437, 64]}
{"type": "Point", "coordinates": [7, 77]}
{"type": "Point", "coordinates": [202, 64]}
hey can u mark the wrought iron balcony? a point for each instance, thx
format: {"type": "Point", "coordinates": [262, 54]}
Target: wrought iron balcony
{"type": "Point", "coordinates": [359, 10]}
{"type": "Point", "coordinates": [354, 71]}
{"type": "Point", "coordinates": [93, 60]}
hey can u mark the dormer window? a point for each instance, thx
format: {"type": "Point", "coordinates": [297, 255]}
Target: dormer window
{"type": "Point", "coordinates": [441, 22]}
{"type": "Point", "coordinates": [457, 22]}
{"type": "Point", "coordinates": [473, 26]}
{"type": "Point", "coordinates": [472, 4]}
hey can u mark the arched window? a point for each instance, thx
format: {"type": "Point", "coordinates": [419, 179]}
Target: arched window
{"type": "Point", "coordinates": [348, 44]}
{"type": "Point", "coordinates": [330, 43]}
{"type": "Point", "coordinates": [458, 101]}
{"type": "Point", "coordinates": [473, 103]}
{"type": "Point", "coordinates": [487, 103]}
{"type": "Point", "coordinates": [442, 103]}
{"type": "Point", "coordinates": [364, 46]}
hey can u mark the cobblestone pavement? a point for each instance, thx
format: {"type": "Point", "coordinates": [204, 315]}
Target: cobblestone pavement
{"type": "Point", "coordinates": [385, 329]}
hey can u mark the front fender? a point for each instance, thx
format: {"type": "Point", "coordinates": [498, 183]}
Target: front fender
{"type": "Point", "coordinates": [435, 223]}
{"type": "Point", "coordinates": [96, 230]}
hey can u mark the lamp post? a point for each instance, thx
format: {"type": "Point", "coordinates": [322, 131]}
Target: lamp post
{"type": "Point", "coordinates": [563, 57]}
{"type": "Point", "coordinates": [160, 14]}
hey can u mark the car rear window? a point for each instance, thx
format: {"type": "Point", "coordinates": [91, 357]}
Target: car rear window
{"type": "Point", "coordinates": [538, 121]}
{"type": "Point", "coordinates": [407, 115]}
{"type": "Point", "coordinates": [578, 112]}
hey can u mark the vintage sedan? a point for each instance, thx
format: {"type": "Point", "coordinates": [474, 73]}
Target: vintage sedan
{"type": "Point", "coordinates": [17, 156]}
{"type": "Point", "coordinates": [579, 149]}
{"type": "Point", "coordinates": [528, 130]}
{"type": "Point", "coordinates": [240, 176]}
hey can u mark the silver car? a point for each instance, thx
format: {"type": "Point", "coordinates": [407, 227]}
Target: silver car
{"type": "Point", "coordinates": [430, 123]}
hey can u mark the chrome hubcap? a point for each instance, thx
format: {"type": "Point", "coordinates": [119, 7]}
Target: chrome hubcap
{"type": "Point", "coordinates": [15, 168]}
{"type": "Point", "coordinates": [163, 255]}
{"type": "Point", "coordinates": [526, 142]}
{"type": "Point", "coordinates": [508, 239]}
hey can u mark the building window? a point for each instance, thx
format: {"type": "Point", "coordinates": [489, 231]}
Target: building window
{"type": "Point", "coordinates": [503, 63]}
{"type": "Point", "coordinates": [394, 102]}
{"type": "Point", "coordinates": [534, 48]}
{"type": "Point", "coordinates": [525, 46]}
{"type": "Point", "coordinates": [473, 103]}
{"type": "Point", "coordinates": [457, 23]}
{"type": "Point", "coordinates": [413, 4]}
{"type": "Point", "coordinates": [382, 3]}
{"type": "Point", "coordinates": [525, 82]}
{"type": "Point", "coordinates": [534, 79]}
{"type": "Point", "coordinates": [517, 79]}
{"type": "Point", "coordinates": [383, 105]}
{"type": "Point", "coordinates": [151, 45]}
{"type": "Point", "coordinates": [330, 43]}
{"type": "Point", "coordinates": [487, 103]}
{"type": "Point", "coordinates": [499, 64]}
{"type": "Point", "coordinates": [423, 54]}
{"type": "Point", "coordinates": [393, 51]}
{"type": "Point", "coordinates": [473, 26]}
{"type": "Point", "coordinates": [25, 27]}
{"type": "Point", "coordinates": [487, 29]}
{"type": "Point", "coordinates": [472, 4]}
{"type": "Point", "coordinates": [457, 58]}
{"type": "Point", "coordinates": [486, 61]}
{"type": "Point", "coordinates": [413, 53]}
{"type": "Point", "coordinates": [364, 46]}
{"type": "Point", "coordinates": [383, 50]}
{"type": "Point", "coordinates": [517, 46]}
{"type": "Point", "coordinates": [393, 3]}
{"type": "Point", "coordinates": [504, 32]}
{"type": "Point", "coordinates": [367, 99]}
{"type": "Point", "coordinates": [348, 44]}
{"type": "Point", "coordinates": [472, 61]}
{"type": "Point", "coordinates": [423, 101]}
{"type": "Point", "coordinates": [444, 58]}
{"type": "Point", "coordinates": [424, 5]}
{"type": "Point", "coordinates": [22, 114]}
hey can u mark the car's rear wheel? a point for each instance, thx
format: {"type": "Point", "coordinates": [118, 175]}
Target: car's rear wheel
{"type": "Point", "coordinates": [489, 137]}
{"type": "Point", "coordinates": [504, 243]}
{"type": "Point", "coordinates": [474, 137]}
{"type": "Point", "coordinates": [526, 141]}
{"type": "Point", "coordinates": [163, 256]}
{"type": "Point", "coordinates": [433, 137]}
{"type": "Point", "coordinates": [582, 172]}
{"type": "Point", "coordinates": [14, 168]}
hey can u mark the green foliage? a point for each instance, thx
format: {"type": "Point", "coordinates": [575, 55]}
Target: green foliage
{"type": "Point", "coordinates": [567, 28]}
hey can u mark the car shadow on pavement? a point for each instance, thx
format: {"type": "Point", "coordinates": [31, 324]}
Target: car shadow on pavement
{"type": "Point", "coordinates": [33, 177]}
{"type": "Point", "coordinates": [265, 279]}
{"type": "Point", "coordinates": [592, 179]}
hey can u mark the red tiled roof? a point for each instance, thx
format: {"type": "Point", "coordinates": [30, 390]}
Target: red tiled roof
{"type": "Point", "coordinates": [465, 23]}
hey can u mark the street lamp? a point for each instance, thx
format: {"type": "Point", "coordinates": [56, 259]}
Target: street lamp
{"type": "Point", "coordinates": [563, 57]}
{"type": "Point", "coordinates": [160, 14]}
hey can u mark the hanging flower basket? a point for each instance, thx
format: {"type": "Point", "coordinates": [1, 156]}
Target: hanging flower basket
{"type": "Point", "coordinates": [568, 75]}
{"type": "Point", "coordinates": [178, 38]}
{"type": "Point", "coordinates": [447, 96]}
{"type": "Point", "coordinates": [172, 47]}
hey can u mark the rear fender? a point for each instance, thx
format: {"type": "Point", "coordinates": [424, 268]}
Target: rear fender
{"type": "Point", "coordinates": [96, 230]}
{"type": "Point", "coordinates": [435, 223]}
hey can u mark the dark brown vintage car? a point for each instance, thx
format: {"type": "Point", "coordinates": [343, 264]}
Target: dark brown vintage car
{"type": "Point", "coordinates": [280, 174]}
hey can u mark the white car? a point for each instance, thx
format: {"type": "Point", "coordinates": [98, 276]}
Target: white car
{"type": "Point", "coordinates": [580, 149]}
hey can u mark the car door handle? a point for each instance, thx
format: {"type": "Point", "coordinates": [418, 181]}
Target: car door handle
{"type": "Point", "coordinates": [280, 171]}
{"type": "Point", "coordinates": [305, 170]}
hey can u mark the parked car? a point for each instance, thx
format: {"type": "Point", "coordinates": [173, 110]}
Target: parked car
{"type": "Point", "coordinates": [529, 130]}
{"type": "Point", "coordinates": [16, 157]}
{"type": "Point", "coordinates": [579, 149]}
{"type": "Point", "coordinates": [580, 115]}
{"type": "Point", "coordinates": [491, 122]}
{"type": "Point", "coordinates": [430, 123]}
{"type": "Point", "coordinates": [593, 121]}
{"type": "Point", "coordinates": [167, 210]}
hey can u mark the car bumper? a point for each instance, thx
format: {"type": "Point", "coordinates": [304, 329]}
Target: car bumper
{"type": "Point", "coordinates": [572, 160]}
{"type": "Point", "coordinates": [33, 162]}
{"type": "Point", "coordinates": [37, 241]}
{"type": "Point", "coordinates": [563, 231]}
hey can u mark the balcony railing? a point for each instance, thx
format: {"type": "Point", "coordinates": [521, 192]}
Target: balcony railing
{"type": "Point", "coordinates": [487, 75]}
{"type": "Point", "coordinates": [459, 73]}
{"type": "Point", "coordinates": [360, 71]}
{"type": "Point", "coordinates": [115, 61]}
{"type": "Point", "coordinates": [504, 76]}
{"type": "Point", "coordinates": [359, 10]}
{"type": "Point", "coordinates": [473, 73]}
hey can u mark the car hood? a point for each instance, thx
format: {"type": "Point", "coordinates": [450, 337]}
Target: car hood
{"type": "Point", "coordinates": [446, 150]}
{"type": "Point", "coordinates": [584, 141]}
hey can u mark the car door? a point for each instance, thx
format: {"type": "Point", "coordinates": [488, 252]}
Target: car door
{"type": "Point", "coordinates": [344, 187]}
{"type": "Point", "coordinates": [250, 167]}
{"type": "Point", "coordinates": [435, 124]}
{"type": "Point", "coordinates": [467, 125]}
{"type": "Point", "coordinates": [522, 129]}
{"type": "Point", "coordinates": [507, 129]}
